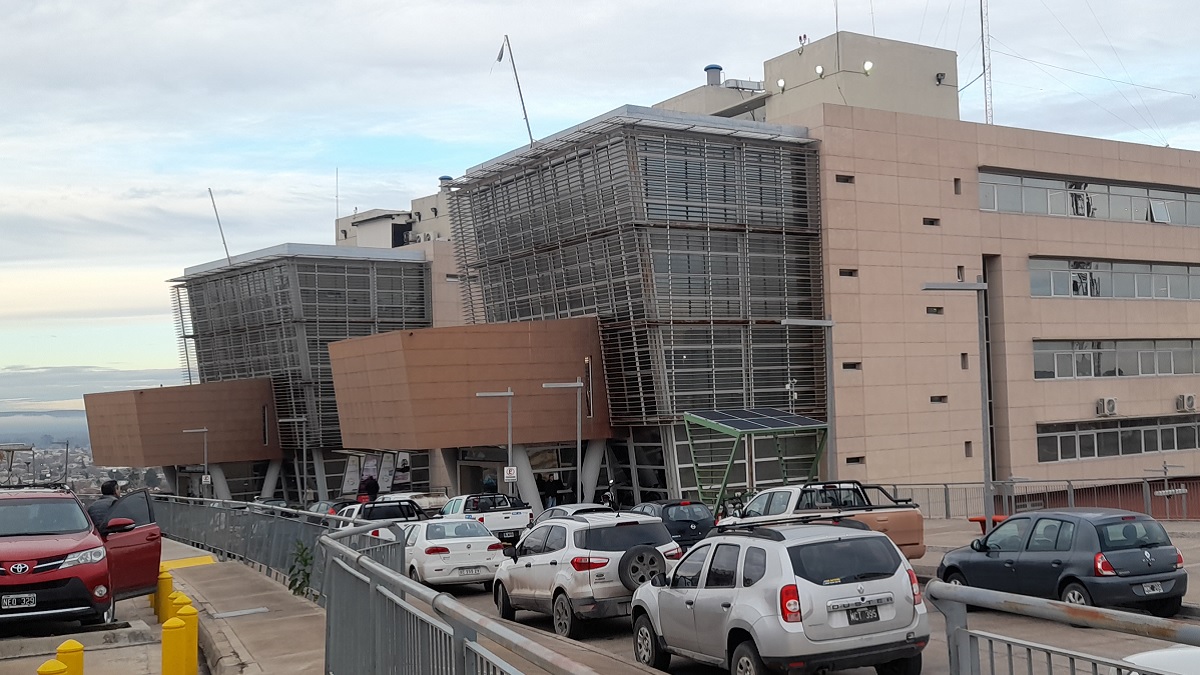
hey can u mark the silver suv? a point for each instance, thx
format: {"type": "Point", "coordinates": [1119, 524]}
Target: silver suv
{"type": "Point", "coordinates": [582, 566]}
{"type": "Point", "coordinates": [792, 598]}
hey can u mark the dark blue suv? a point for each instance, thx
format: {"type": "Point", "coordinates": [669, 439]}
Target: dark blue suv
{"type": "Point", "coordinates": [1084, 556]}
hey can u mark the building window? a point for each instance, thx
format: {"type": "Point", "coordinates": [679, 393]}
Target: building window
{"type": "Point", "coordinates": [939, 399]}
{"type": "Point", "coordinates": [1074, 198]}
{"type": "Point", "coordinates": [1061, 442]}
{"type": "Point", "coordinates": [1060, 278]}
{"type": "Point", "coordinates": [933, 222]}
{"type": "Point", "coordinates": [843, 178]}
{"type": "Point", "coordinates": [1066, 360]}
{"type": "Point", "coordinates": [958, 186]}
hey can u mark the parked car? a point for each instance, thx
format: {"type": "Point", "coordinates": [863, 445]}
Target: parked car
{"type": "Point", "coordinates": [1084, 556]}
{"type": "Point", "coordinates": [440, 552]}
{"type": "Point", "coordinates": [686, 520]}
{"type": "Point", "coordinates": [900, 519]}
{"type": "Point", "coordinates": [327, 507]}
{"type": "Point", "coordinates": [432, 502]}
{"type": "Point", "coordinates": [506, 517]}
{"type": "Point", "coordinates": [55, 564]}
{"type": "Point", "coordinates": [391, 510]}
{"type": "Point", "coordinates": [1177, 659]}
{"type": "Point", "coordinates": [568, 510]}
{"type": "Point", "coordinates": [795, 598]}
{"type": "Point", "coordinates": [582, 567]}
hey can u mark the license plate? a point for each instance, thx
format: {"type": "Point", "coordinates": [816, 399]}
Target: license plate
{"type": "Point", "coordinates": [15, 601]}
{"type": "Point", "coordinates": [510, 535]}
{"type": "Point", "coordinates": [1152, 588]}
{"type": "Point", "coordinates": [468, 571]}
{"type": "Point", "coordinates": [863, 615]}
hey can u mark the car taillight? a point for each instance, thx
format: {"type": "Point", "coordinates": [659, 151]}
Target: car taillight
{"type": "Point", "coordinates": [332, 512]}
{"type": "Point", "coordinates": [496, 547]}
{"type": "Point", "coordinates": [1178, 559]}
{"type": "Point", "coordinates": [916, 587]}
{"type": "Point", "coordinates": [437, 550]}
{"type": "Point", "coordinates": [789, 603]}
{"type": "Point", "coordinates": [685, 503]}
{"type": "Point", "coordinates": [1103, 567]}
{"type": "Point", "coordinates": [374, 533]}
{"type": "Point", "coordinates": [583, 564]}
{"type": "Point", "coordinates": [674, 554]}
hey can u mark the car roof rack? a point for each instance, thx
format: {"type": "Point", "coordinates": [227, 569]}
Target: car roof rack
{"type": "Point", "coordinates": [814, 519]}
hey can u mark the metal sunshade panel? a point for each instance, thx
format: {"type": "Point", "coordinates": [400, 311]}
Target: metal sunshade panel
{"type": "Point", "coordinates": [752, 421]}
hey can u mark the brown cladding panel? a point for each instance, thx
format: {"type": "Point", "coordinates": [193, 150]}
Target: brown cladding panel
{"type": "Point", "coordinates": [429, 378]}
{"type": "Point", "coordinates": [144, 427]}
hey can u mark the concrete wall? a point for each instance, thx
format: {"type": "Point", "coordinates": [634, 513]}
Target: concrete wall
{"type": "Point", "coordinates": [415, 390]}
{"type": "Point", "coordinates": [144, 427]}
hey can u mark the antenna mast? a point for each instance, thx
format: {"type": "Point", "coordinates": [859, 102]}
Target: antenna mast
{"type": "Point", "coordinates": [986, 38]}
{"type": "Point", "coordinates": [219, 228]}
{"type": "Point", "coordinates": [521, 96]}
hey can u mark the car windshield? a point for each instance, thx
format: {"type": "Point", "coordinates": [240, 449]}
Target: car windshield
{"type": "Point", "coordinates": [623, 536]}
{"type": "Point", "coordinates": [41, 516]}
{"type": "Point", "coordinates": [844, 561]}
{"type": "Point", "coordinates": [687, 512]}
{"type": "Point", "coordinates": [1132, 534]}
{"type": "Point", "coordinates": [457, 530]}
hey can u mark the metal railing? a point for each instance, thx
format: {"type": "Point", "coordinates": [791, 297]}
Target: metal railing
{"type": "Point", "coordinates": [1164, 500]}
{"type": "Point", "coordinates": [978, 652]}
{"type": "Point", "coordinates": [377, 619]}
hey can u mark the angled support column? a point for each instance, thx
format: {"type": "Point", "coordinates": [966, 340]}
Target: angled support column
{"type": "Point", "coordinates": [593, 457]}
{"type": "Point", "coordinates": [271, 480]}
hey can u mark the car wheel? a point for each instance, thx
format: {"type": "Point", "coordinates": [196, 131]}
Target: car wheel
{"type": "Point", "coordinates": [1165, 609]}
{"type": "Point", "coordinates": [646, 648]}
{"type": "Point", "coordinates": [956, 579]}
{"type": "Point", "coordinates": [905, 666]}
{"type": "Point", "coordinates": [1075, 594]}
{"type": "Point", "coordinates": [746, 661]}
{"type": "Point", "coordinates": [109, 615]}
{"type": "Point", "coordinates": [639, 565]}
{"type": "Point", "coordinates": [414, 575]}
{"type": "Point", "coordinates": [504, 604]}
{"type": "Point", "coordinates": [565, 623]}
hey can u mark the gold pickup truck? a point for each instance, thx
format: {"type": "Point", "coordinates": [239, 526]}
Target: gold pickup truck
{"type": "Point", "coordinates": [899, 519]}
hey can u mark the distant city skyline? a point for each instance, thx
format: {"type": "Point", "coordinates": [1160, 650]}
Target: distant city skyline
{"type": "Point", "coordinates": [108, 157]}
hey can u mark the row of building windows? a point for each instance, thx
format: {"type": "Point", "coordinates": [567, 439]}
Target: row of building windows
{"type": "Point", "coordinates": [1114, 438]}
{"type": "Point", "coordinates": [1065, 360]}
{"type": "Point", "coordinates": [1097, 279]}
{"type": "Point", "coordinates": [1082, 199]}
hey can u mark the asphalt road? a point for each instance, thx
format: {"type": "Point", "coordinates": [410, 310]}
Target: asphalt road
{"type": "Point", "coordinates": [616, 636]}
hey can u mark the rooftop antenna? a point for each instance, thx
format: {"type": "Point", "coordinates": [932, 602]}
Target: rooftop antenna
{"type": "Point", "coordinates": [987, 60]}
{"type": "Point", "coordinates": [500, 57]}
{"type": "Point", "coordinates": [219, 228]}
{"type": "Point", "coordinates": [337, 203]}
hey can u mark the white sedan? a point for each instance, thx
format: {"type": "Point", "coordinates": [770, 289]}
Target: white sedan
{"type": "Point", "coordinates": [452, 552]}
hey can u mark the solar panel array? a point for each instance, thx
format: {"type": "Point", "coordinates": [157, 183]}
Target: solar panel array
{"type": "Point", "coordinates": [755, 420]}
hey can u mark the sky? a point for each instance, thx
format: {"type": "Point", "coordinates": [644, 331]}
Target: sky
{"type": "Point", "coordinates": [117, 117]}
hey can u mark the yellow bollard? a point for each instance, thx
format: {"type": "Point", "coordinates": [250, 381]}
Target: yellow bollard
{"type": "Point", "coordinates": [70, 654]}
{"type": "Point", "coordinates": [173, 647]}
{"type": "Point", "coordinates": [170, 610]}
{"type": "Point", "coordinates": [52, 667]}
{"type": "Point", "coordinates": [166, 586]}
{"type": "Point", "coordinates": [191, 623]}
{"type": "Point", "coordinates": [179, 603]}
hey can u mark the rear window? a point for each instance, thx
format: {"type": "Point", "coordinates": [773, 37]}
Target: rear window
{"type": "Point", "coordinates": [1131, 534]}
{"type": "Point", "coordinates": [41, 516]}
{"type": "Point", "coordinates": [687, 512]}
{"type": "Point", "coordinates": [622, 537]}
{"type": "Point", "coordinates": [844, 561]}
{"type": "Point", "coordinates": [386, 511]}
{"type": "Point", "coordinates": [457, 530]}
{"type": "Point", "coordinates": [831, 497]}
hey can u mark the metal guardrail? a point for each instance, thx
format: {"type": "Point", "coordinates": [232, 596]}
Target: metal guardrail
{"type": "Point", "coordinates": [977, 652]}
{"type": "Point", "coordinates": [1144, 495]}
{"type": "Point", "coordinates": [373, 623]}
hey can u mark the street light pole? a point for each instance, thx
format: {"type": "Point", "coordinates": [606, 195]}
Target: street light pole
{"type": "Point", "coordinates": [509, 396]}
{"type": "Point", "coordinates": [577, 385]}
{"type": "Point", "coordinates": [202, 430]}
{"type": "Point", "coordinates": [980, 290]}
{"type": "Point", "coordinates": [830, 400]}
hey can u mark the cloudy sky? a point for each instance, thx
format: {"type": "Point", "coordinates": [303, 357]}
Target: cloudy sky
{"type": "Point", "coordinates": [116, 117]}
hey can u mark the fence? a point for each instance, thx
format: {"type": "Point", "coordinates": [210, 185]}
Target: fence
{"type": "Point", "coordinates": [982, 653]}
{"type": "Point", "coordinates": [1165, 500]}
{"type": "Point", "coordinates": [377, 619]}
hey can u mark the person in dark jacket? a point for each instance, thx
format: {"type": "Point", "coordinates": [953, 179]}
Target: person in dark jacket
{"type": "Point", "coordinates": [99, 510]}
{"type": "Point", "coordinates": [369, 487]}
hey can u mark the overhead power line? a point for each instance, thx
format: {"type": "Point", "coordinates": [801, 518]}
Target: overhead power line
{"type": "Point", "coordinates": [1098, 77]}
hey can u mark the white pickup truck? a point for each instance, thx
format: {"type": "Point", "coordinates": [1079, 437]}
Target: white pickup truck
{"type": "Point", "coordinates": [504, 516]}
{"type": "Point", "coordinates": [899, 519]}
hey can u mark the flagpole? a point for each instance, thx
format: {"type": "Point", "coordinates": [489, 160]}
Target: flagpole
{"type": "Point", "coordinates": [513, 61]}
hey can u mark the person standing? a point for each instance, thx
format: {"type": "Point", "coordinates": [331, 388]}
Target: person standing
{"type": "Point", "coordinates": [553, 487]}
{"type": "Point", "coordinates": [371, 487]}
{"type": "Point", "coordinates": [99, 509]}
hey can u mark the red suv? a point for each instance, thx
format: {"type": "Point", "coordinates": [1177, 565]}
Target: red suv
{"type": "Point", "coordinates": [55, 564]}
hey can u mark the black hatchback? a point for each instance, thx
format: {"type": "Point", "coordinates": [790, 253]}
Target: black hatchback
{"type": "Point", "coordinates": [1084, 556]}
{"type": "Point", "coordinates": [687, 521]}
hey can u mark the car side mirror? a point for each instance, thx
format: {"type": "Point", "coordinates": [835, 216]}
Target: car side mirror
{"type": "Point", "coordinates": [510, 552]}
{"type": "Point", "coordinates": [658, 580]}
{"type": "Point", "coordinates": [119, 525]}
{"type": "Point", "coordinates": [979, 546]}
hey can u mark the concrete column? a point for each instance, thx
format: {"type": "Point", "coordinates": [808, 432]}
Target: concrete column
{"type": "Point", "coordinates": [271, 480]}
{"type": "Point", "coordinates": [526, 485]}
{"type": "Point", "coordinates": [318, 458]}
{"type": "Point", "coordinates": [171, 478]}
{"type": "Point", "coordinates": [219, 485]}
{"type": "Point", "coordinates": [443, 470]}
{"type": "Point", "coordinates": [593, 458]}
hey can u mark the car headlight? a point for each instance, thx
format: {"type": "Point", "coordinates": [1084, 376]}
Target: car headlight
{"type": "Point", "coordinates": [92, 555]}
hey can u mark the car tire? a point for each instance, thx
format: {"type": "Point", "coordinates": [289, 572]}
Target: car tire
{"type": "Point", "coordinates": [1075, 594]}
{"type": "Point", "coordinates": [746, 661]}
{"type": "Point", "coordinates": [646, 648]}
{"type": "Point", "coordinates": [414, 575]}
{"type": "Point", "coordinates": [504, 604]}
{"type": "Point", "coordinates": [910, 665]}
{"type": "Point", "coordinates": [956, 578]}
{"type": "Point", "coordinates": [563, 616]}
{"type": "Point", "coordinates": [639, 565]}
{"type": "Point", "coordinates": [1165, 609]}
{"type": "Point", "coordinates": [109, 615]}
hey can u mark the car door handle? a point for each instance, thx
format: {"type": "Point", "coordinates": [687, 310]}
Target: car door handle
{"type": "Point", "coordinates": [1008, 563]}
{"type": "Point", "coordinates": [529, 564]}
{"type": "Point", "coordinates": [152, 536]}
{"type": "Point", "coordinates": [726, 605]}
{"type": "Point", "coordinates": [1056, 563]}
{"type": "Point", "coordinates": [689, 603]}
{"type": "Point", "coordinates": [554, 563]}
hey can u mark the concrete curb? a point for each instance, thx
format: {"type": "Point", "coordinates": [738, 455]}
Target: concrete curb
{"type": "Point", "coordinates": [608, 656]}
{"type": "Point", "coordinates": [138, 633]}
{"type": "Point", "coordinates": [223, 651]}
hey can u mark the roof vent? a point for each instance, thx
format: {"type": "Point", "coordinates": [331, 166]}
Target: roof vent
{"type": "Point", "coordinates": [713, 71]}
